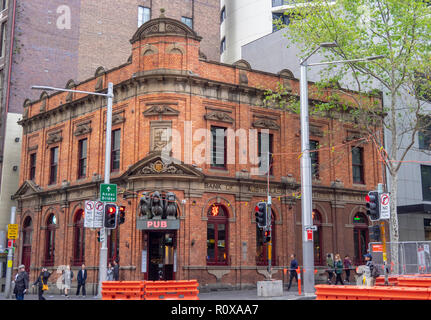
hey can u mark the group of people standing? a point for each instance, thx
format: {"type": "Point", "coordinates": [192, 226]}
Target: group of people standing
{"type": "Point", "coordinates": [337, 266]}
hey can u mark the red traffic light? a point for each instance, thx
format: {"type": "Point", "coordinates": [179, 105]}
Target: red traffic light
{"type": "Point", "coordinates": [111, 209]}
{"type": "Point", "coordinates": [367, 198]}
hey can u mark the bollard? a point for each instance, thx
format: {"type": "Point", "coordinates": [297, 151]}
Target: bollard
{"type": "Point", "coordinates": [298, 271]}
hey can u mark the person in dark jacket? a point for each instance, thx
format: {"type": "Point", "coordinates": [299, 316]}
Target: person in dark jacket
{"type": "Point", "coordinates": [347, 266]}
{"type": "Point", "coordinates": [21, 283]}
{"type": "Point", "coordinates": [293, 267]}
{"type": "Point", "coordinates": [82, 278]}
{"type": "Point", "coordinates": [116, 271]}
{"type": "Point", "coordinates": [41, 280]}
{"type": "Point", "coordinates": [338, 269]}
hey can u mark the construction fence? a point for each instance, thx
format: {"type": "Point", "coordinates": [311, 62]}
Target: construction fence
{"type": "Point", "coordinates": [409, 257]}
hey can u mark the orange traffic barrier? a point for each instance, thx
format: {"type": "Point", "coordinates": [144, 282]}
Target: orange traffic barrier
{"type": "Point", "coordinates": [340, 292]}
{"type": "Point", "coordinates": [171, 290]}
{"type": "Point", "coordinates": [399, 293]}
{"type": "Point", "coordinates": [298, 271]}
{"type": "Point", "coordinates": [421, 282]}
{"type": "Point", "coordinates": [393, 280]}
{"type": "Point", "coordinates": [122, 290]}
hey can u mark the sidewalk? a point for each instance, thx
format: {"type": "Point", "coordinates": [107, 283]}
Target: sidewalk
{"type": "Point", "coordinates": [250, 294]}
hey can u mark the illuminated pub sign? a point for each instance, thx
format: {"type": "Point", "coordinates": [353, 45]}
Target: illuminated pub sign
{"type": "Point", "coordinates": [158, 224]}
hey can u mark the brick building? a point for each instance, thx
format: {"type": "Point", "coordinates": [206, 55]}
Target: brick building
{"type": "Point", "coordinates": [171, 102]}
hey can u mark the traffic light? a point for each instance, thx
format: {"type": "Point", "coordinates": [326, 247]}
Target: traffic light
{"type": "Point", "coordinates": [266, 236]}
{"type": "Point", "coordinates": [111, 211]}
{"type": "Point", "coordinates": [374, 233]}
{"type": "Point", "coordinates": [260, 214]}
{"type": "Point", "coordinates": [373, 206]}
{"type": "Point", "coordinates": [122, 214]}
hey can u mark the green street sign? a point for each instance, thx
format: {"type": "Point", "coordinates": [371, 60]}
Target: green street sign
{"type": "Point", "coordinates": [108, 192]}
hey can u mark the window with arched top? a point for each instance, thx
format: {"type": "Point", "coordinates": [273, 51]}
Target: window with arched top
{"type": "Point", "coordinates": [317, 238]}
{"type": "Point", "coordinates": [51, 225]}
{"type": "Point", "coordinates": [217, 235]}
{"type": "Point", "coordinates": [78, 238]}
{"type": "Point", "coordinates": [360, 237]}
{"type": "Point", "coordinates": [27, 236]}
{"type": "Point", "coordinates": [262, 249]}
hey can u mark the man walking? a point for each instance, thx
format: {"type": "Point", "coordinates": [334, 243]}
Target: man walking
{"type": "Point", "coordinates": [116, 271]}
{"type": "Point", "coordinates": [82, 278]}
{"type": "Point", "coordinates": [293, 267]}
{"type": "Point", "coordinates": [21, 283]}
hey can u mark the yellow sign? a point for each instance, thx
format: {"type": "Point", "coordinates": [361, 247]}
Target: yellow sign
{"type": "Point", "coordinates": [12, 231]}
{"type": "Point", "coordinates": [9, 263]}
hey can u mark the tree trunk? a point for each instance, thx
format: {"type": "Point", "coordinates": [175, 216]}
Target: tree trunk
{"type": "Point", "coordinates": [394, 235]}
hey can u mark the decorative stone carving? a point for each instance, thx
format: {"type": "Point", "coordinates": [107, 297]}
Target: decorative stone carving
{"type": "Point", "coordinates": [266, 123]}
{"type": "Point", "coordinates": [54, 137]}
{"type": "Point", "coordinates": [157, 204]}
{"type": "Point", "coordinates": [316, 131]}
{"type": "Point", "coordinates": [160, 109]}
{"type": "Point", "coordinates": [218, 115]}
{"type": "Point", "coordinates": [159, 167]}
{"type": "Point", "coordinates": [145, 205]}
{"type": "Point", "coordinates": [82, 128]}
{"type": "Point", "coordinates": [118, 117]}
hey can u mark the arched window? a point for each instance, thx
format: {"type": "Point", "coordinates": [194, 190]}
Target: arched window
{"type": "Point", "coordinates": [217, 235]}
{"type": "Point", "coordinates": [78, 238]}
{"type": "Point", "coordinates": [360, 237]}
{"type": "Point", "coordinates": [27, 236]}
{"type": "Point", "coordinates": [262, 248]}
{"type": "Point", "coordinates": [317, 238]}
{"type": "Point", "coordinates": [51, 223]}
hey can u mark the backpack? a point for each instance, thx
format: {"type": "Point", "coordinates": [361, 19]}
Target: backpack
{"type": "Point", "coordinates": [375, 271]}
{"type": "Point", "coordinates": [71, 274]}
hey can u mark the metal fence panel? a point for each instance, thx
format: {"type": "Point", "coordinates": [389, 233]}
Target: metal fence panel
{"type": "Point", "coordinates": [413, 256]}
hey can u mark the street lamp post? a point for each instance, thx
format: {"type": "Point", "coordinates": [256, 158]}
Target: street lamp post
{"type": "Point", "coordinates": [306, 181]}
{"type": "Point", "coordinates": [103, 259]}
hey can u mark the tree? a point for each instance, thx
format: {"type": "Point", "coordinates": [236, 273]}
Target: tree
{"type": "Point", "coordinates": [397, 29]}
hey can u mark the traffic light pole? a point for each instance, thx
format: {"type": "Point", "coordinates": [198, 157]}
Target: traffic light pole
{"type": "Point", "coordinates": [9, 260]}
{"type": "Point", "coordinates": [103, 259]}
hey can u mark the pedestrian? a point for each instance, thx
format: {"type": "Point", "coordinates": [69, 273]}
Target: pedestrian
{"type": "Point", "coordinates": [116, 271]}
{"type": "Point", "coordinates": [373, 270]}
{"type": "Point", "coordinates": [42, 282]}
{"type": "Point", "coordinates": [330, 265]}
{"type": "Point", "coordinates": [110, 272]}
{"type": "Point", "coordinates": [21, 283]}
{"type": "Point", "coordinates": [338, 269]}
{"type": "Point", "coordinates": [347, 267]}
{"type": "Point", "coordinates": [67, 280]}
{"type": "Point", "coordinates": [81, 278]}
{"type": "Point", "coordinates": [293, 267]}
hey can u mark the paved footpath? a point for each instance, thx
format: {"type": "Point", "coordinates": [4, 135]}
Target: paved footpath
{"type": "Point", "coordinates": [250, 294]}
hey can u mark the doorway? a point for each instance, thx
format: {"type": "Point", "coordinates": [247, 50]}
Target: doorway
{"type": "Point", "coordinates": [161, 255]}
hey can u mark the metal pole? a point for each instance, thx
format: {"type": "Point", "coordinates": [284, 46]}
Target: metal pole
{"type": "Point", "coordinates": [306, 195]}
{"type": "Point", "coordinates": [103, 261]}
{"type": "Point", "coordinates": [9, 259]}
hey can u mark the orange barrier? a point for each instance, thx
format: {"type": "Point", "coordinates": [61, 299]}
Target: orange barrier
{"type": "Point", "coordinates": [421, 282]}
{"type": "Point", "coordinates": [171, 290]}
{"type": "Point", "coordinates": [393, 280]}
{"type": "Point", "coordinates": [122, 290]}
{"type": "Point", "coordinates": [340, 292]}
{"type": "Point", "coordinates": [399, 293]}
{"type": "Point", "coordinates": [298, 271]}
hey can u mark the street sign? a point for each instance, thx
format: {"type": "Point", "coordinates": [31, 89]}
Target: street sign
{"type": "Point", "coordinates": [377, 247]}
{"type": "Point", "coordinates": [98, 214]}
{"type": "Point", "coordinates": [108, 192]}
{"type": "Point", "coordinates": [102, 235]}
{"type": "Point", "coordinates": [309, 235]}
{"type": "Point", "coordinates": [89, 214]}
{"type": "Point", "coordinates": [12, 231]}
{"type": "Point", "coordinates": [385, 210]}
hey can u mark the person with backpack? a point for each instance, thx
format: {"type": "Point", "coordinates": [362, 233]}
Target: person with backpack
{"type": "Point", "coordinates": [338, 269]}
{"type": "Point", "coordinates": [373, 272]}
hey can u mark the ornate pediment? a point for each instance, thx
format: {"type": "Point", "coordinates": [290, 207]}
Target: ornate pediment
{"type": "Point", "coordinates": [54, 137]}
{"type": "Point", "coordinates": [154, 164]}
{"type": "Point", "coordinates": [28, 188]}
{"type": "Point", "coordinates": [82, 128]}
{"type": "Point", "coordinates": [164, 26]}
{"type": "Point", "coordinates": [160, 109]}
{"type": "Point", "coordinates": [219, 115]}
{"type": "Point", "coordinates": [266, 123]}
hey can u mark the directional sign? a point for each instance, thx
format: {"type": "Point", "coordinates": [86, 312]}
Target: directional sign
{"type": "Point", "coordinates": [385, 210]}
{"type": "Point", "coordinates": [12, 231]}
{"type": "Point", "coordinates": [98, 214]}
{"type": "Point", "coordinates": [108, 192]}
{"type": "Point", "coordinates": [89, 214]}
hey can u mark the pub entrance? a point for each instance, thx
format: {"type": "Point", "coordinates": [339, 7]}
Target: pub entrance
{"type": "Point", "coordinates": [161, 255]}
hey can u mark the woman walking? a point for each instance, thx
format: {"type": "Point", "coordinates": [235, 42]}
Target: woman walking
{"type": "Point", "coordinates": [338, 269]}
{"type": "Point", "coordinates": [42, 282]}
{"type": "Point", "coordinates": [67, 280]}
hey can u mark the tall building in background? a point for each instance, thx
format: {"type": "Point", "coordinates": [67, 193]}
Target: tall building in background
{"type": "Point", "coordinates": [60, 43]}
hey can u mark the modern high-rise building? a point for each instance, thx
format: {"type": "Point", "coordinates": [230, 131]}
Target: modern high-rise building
{"type": "Point", "coordinates": [60, 43]}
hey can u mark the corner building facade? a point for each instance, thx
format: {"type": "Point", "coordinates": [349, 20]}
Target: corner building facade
{"type": "Point", "coordinates": [168, 97]}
